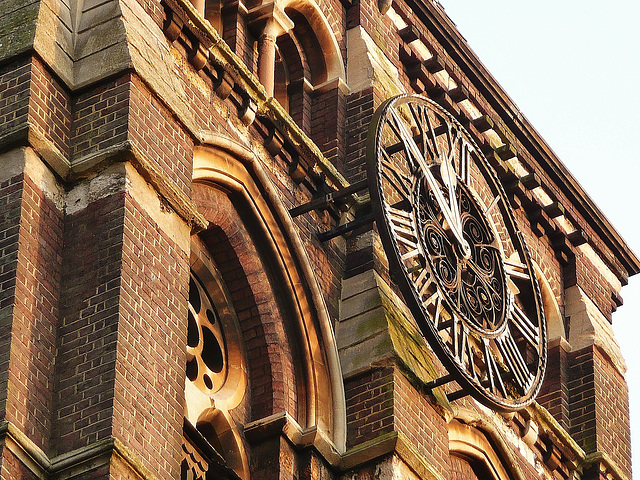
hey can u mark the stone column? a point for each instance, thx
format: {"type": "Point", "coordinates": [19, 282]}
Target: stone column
{"type": "Point", "coordinates": [271, 22]}
{"type": "Point", "coordinates": [267, 61]}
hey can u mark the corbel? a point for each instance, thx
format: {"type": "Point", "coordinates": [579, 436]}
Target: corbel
{"type": "Point", "coordinates": [409, 33]}
{"type": "Point", "coordinates": [248, 112]}
{"type": "Point", "coordinates": [483, 123]}
{"type": "Point", "coordinates": [435, 63]}
{"type": "Point", "coordinates": [459, 93]}
{"type": "Point", "coordinates": [554, 209]}
{"type": "Point", "coordinates": [578, 237]}
{"type": "Point", "coordinates": [274, 141]}
{"type": "Point", "coordinates": [172, 25]}
{"type": "Point", "coordinates": [506, 151]}
{"type": "Point", "coordinates": [531, 181]}
{"type": "Point", "coordinates": [224, 84]}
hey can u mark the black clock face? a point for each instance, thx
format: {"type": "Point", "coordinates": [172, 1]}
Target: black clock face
{"type": "Point", "coordinates": [469, 273]}
{"type": "Point", "coordinates": [456, 252]}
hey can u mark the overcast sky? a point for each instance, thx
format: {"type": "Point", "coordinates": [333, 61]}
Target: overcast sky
{"type": "Point", "coordinates": [573, 68]}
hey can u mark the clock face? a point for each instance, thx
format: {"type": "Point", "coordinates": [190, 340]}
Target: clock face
{"type": "Point", "coordinates": [455, 251]}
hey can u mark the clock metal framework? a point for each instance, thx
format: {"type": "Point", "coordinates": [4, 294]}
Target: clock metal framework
{"type": "Point", "coordinates": [456, 253]}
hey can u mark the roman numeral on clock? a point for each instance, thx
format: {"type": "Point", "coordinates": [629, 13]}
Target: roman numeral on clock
{"type": "Point", "coordinates": [462, 350]}
{"type": "Point", "coordinates": [512, 357]}
{"type": "Point", "coordinates": [390, 172]}
{"type": "Point", "coordinates": [494, 377]}
{"type": "Point", "coordinates": [516, 269]}
{"type": "Point", "coordinates": [402, 224]}
{"type": "Point", "coordinates": [525, 326]}
{"type": "Point", "coordinates": [428, 136]}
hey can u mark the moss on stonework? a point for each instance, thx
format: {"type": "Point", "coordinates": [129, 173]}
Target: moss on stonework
{"type": "Point", "coordinates": [412, 349]}
{"type": "Point", "coordinates": [371, 327]}
{"type": "Point", "coordinates": [18, 29]}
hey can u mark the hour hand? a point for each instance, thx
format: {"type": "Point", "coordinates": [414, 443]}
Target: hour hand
{"type": "Point", "coordinates": [449, 208]}
{"type": "Point", "coordinates": [450, 181]}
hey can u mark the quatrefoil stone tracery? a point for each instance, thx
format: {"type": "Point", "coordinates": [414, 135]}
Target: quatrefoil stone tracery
{"type": "Point", "coordinates": [206, 353]}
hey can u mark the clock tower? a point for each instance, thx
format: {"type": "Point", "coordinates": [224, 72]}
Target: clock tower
{"type": "Point", "coordinates": [291, 239]}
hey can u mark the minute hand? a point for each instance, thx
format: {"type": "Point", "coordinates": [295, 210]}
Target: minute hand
{"type": "Point", "coordinates": [449, 178]}
{"type": "Point", "coordinates": [414, 152]}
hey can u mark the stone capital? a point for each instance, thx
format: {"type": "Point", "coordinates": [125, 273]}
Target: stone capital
{"type": "Point", "coordinates": [269, 19]}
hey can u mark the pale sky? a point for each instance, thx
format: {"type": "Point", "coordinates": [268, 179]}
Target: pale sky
{"type": "Point", "coordinates": [573, 68]}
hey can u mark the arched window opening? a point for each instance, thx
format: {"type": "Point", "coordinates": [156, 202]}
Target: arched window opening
{"type": "Point", "coordinates": [232, 192]}
{"type": "Point", "coordinates": [478, 454]}
{"type": "Point", "coordinates": [281, 82]}
{"type": "Point", "coordinates": [215, 378]}
{"type": "Point", "coordinates": [300, 68]}
{"type": "Point", "coordinates": [468, 469]}
{"type": "Point", "coordinates": [308, 46]}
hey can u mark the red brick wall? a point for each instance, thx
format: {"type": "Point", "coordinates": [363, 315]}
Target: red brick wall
{"type": "Point", "coordinates": [244, 262]}
{"type": "Point", "coordinates": [159, 136]}
{"type": "Point", "coordinates": [360, 109]}
{"type": "Point", "coordinates": [11, 468]}
{"type": "Point", "coordinates": [612, 410]}
{"type": "Point", "coordinates": [427, 430]}
{"type": "Point", "coordinates": [595, 285]}
{"type": "Point", "coordinates": [383, 400]}
{"type": "Point", "coordinates": [10, 212]}
{"type": "Point", "coordinates": [370, 405]}
{"type": "Point", "coordinates": [50, 107]}
{"type": "Point", "coordinates": [599, 406]}
{"type": "Point", "coordinates": [151, 356]}
{"type": "Point", "coordinates": [554, 393]}
{"type": "Point", "coordinates": [31, 229]}
{"type": "Point", "coordinates": [88, 331]}
{"type": "Point", "coordinates": [15, 81]}
{"type": "Point", "coordinates": [100, 117]}
{"type": "Point", "coordinates": [328, 125]}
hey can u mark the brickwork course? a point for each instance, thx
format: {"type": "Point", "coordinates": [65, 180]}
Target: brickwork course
{"type": "Point", "coordinates": [169, 309]}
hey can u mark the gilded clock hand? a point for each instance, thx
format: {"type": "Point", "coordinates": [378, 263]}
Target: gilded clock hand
{"type": "Point", "coordinates": [449, 178]}
{"type": "Point", "coordinates": [482, 314]}
{"type": "Point", "coordinates": [412, 149]}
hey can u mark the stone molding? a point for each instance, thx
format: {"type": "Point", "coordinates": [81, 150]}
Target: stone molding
{"type": "Point", "coordinates": [70, 464]}
{"type": "Point", "coordinates": [284, 424]}
{"type": "Point", "coordinates": [390, 443]}
{"type": "Point", "coordinates": [227, 163]}
{"type": "Point", "coordinates": [27, 135]}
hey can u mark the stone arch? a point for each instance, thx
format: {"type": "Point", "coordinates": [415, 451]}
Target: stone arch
{"type": "Point", "coordinates": [226, 169]}
{"type": "Point", "coordinates": [311, 24]}
{"type": "Point", "coordinates": [479, 443]}
{"type": "Point", "coordinates": [274, 378]}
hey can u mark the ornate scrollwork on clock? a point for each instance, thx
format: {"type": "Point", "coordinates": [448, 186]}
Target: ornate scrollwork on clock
{"type": "Point", "coordinates": [455, 250]}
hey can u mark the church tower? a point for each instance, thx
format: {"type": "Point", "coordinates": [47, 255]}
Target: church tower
{"type": "Point", "coordinates": [291, 239]}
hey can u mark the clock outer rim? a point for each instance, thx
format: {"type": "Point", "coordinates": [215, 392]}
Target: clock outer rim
{"type": "Point", "coordinates": [408, 292]}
